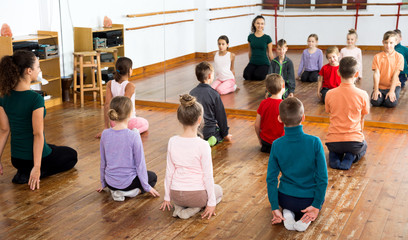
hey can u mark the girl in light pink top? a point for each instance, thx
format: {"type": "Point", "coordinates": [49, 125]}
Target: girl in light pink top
{"type": "Point", "coordinates": [224, 68]}
{"type": "Point", "coordinates": [189, 181]}
{"type": "Point", "coordinates": [351, 50]}
{"type": "Point", "coordinates": [121, 86]}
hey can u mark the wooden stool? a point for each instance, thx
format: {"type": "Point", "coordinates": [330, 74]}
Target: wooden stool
{"type": "Point", "coordinates": [79, 66]}
{"type": "Point", "coordinates": [114, 52]}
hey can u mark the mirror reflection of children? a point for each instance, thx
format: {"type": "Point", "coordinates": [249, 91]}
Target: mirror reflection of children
{"type": "Point", "coordinates": [260, 51]}
{"type": "Point", "coordinates": [301, 160]}
{"type": "Point", "coordinates": [311, 61]}
{"type": "Point", "coordinates": [123, 166]}
{"type": "Point", "coordinates": [224, 82]}
{"type": "Point", "coordinates": [283, 66]}
{"type": "Point", "coordinates": [329, 78]}
{"type": "Point", "coordinates": [121, 86]}
{"type": "Point", "coordinates": [387, 86]}
{"type": "Point", "coordinates": [404, 52]}
{"type": "Point", "coordinates": [189, 181]}
{"type": "Point", "coordinates": [351, 50]}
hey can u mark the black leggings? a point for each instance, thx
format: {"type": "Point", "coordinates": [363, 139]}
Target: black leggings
{"type": "Point", "coordinates": [294, 204]}
{"type": "Point", "coordinates": [311, 76]}
{"type": "Point", "coordinates": [60, 159]}
{"type": "Point", "coordinates": [255, 72]}
{"type": "Point", "coordinates": [152, 180]}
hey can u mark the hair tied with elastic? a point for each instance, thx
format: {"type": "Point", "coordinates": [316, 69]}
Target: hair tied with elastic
{"type": "Point", "coordinates": [187, 100]}
{"type": "Point", "coordinates": [117, 71]}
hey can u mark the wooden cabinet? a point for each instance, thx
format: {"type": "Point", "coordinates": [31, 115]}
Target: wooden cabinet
{"type": "Point", "coordinates": [50, 67]}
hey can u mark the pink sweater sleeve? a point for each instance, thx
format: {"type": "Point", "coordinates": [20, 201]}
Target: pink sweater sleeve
{"type": "Point", "coordinates": [170, 168]}
{"type": "Point", "coordinates": [206, 164]}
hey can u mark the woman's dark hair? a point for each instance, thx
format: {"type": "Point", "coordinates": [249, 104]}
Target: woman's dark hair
{"type": "Point", "coordinates": [12, 68]}
{"type": "Point", "coordinates": [253, 28]}
{"type": "Point", "coordinates": [189, 110]}
{"type": "Point", "coordinates": [123, 65]}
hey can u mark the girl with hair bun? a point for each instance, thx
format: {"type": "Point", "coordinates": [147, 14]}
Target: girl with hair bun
{"type": "Point", "coordinates": [123, 166]}
{"type": "Point", "coordinates": [22, 113]}
{"type": "Point", "coordinates": [351, 50]}
{"type": "Point", "coordinates": [121, 86]}
{"type": "Point", "coordinates": [189, 181]}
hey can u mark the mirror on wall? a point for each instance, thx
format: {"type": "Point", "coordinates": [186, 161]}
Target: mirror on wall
{"type": "Point", "coordinates": [166, 39]}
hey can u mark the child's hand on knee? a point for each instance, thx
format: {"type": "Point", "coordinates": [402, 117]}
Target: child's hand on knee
{"type": "Point", "coordinates": [228, 138]}
{"type": "Point", "coordinates": [310, 214]}
{"type": "Point", "coordinates": [98, 135]}
{"type": "Point", "coordinates": [277, 217]}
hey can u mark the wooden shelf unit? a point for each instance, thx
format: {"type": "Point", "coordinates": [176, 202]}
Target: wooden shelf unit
{"type": "Point", "coordinates": [50, 67]}
{"type": "Point", "coordinates": [83, 42]}
{"type": "Point", "coordinates": [83, 38]}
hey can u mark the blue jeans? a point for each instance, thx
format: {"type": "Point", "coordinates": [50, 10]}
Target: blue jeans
{"type": "Point", "coordinates": [382, 101]}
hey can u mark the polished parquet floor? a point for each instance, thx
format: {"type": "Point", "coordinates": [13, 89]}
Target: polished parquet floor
{"type": "Point", "coordinates": [366, 202]}
{"type": "Point", "coordinates": [169, 85]}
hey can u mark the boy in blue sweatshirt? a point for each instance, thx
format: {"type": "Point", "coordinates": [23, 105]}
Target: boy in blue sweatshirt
{"type": "Point", "coordinates": [301, 160]}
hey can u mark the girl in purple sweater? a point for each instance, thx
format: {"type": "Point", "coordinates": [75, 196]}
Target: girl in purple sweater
{"type": "Point", "coordinates": [311, 61]}
{"type": "Point", "coordinates": [123, 166]}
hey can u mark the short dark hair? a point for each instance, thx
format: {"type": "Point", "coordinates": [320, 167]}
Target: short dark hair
{"type": "Point", "coordinates": [389, 34]}
{"type": "Point", "coordinates": [281, 43]}
{"type": "Point", "coordinates": [202, 70]}
{"type": "Point", "coordinates": [273, 83]}
{"type": "Point", "coordinates": [291, 112]}
{"type": "Point", "coordinates": [348, 67]}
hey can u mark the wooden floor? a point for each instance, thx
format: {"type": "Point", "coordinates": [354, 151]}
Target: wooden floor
{"type": "Point", "coordinates": [250, 94]}
{"type": "Point", "coordinates": [366, 202]}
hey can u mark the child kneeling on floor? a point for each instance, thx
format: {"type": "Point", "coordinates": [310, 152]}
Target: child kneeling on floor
{"type": "Point", "coordinates": [300, 158]}
{"type": "Point", "coordinates": [189, 178]}
{"type": "Point", "coordinates": [347, 105]}
{"type": "Point", "coordinates": [123, 166]}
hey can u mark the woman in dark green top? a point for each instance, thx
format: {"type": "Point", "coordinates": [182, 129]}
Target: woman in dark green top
{"type": "Point", "coordinates": [260, 51]}
{"type": "Point", "coordinates": [22, 113]}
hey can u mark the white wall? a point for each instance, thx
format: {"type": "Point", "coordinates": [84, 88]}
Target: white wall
{"type": "Point", "coordinates": [152, 45]}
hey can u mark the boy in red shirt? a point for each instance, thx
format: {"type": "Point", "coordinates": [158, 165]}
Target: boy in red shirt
{"type": "Point", "coordinates": [329, 78]}
{"type": "Point", "coordinates": [267, 126]}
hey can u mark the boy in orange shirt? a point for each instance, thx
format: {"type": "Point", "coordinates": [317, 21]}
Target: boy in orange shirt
{"type": "Point", "coordinates": [347, 106]}
{"type": "Point", "coordinates": [387, 66]}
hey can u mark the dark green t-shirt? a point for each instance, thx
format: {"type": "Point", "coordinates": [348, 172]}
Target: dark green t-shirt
{"type": "Point", "coordinates": [19, 107]}
{"type": "Point", "coordinates": [259, 46]}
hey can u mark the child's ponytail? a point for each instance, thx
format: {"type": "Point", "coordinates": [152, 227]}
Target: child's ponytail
{"type": "Point", "coordinates": [123, 65]}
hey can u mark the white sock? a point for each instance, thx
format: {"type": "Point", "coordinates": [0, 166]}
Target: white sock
{"type": "Point", "coordinates": [117, 196]}
{"type": "Point", "coordinates": [235, 87]}
{"type": "Point", "coordinates": [289, 219]}
{"type": "Point", "coordinates": [131, 193]}
{"type": "Point", "coordinates": [177, 210]}
{"type": "Point", "coordinates": [301, 226]}
{"type": "Point", "coordinates": [188, 212]}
